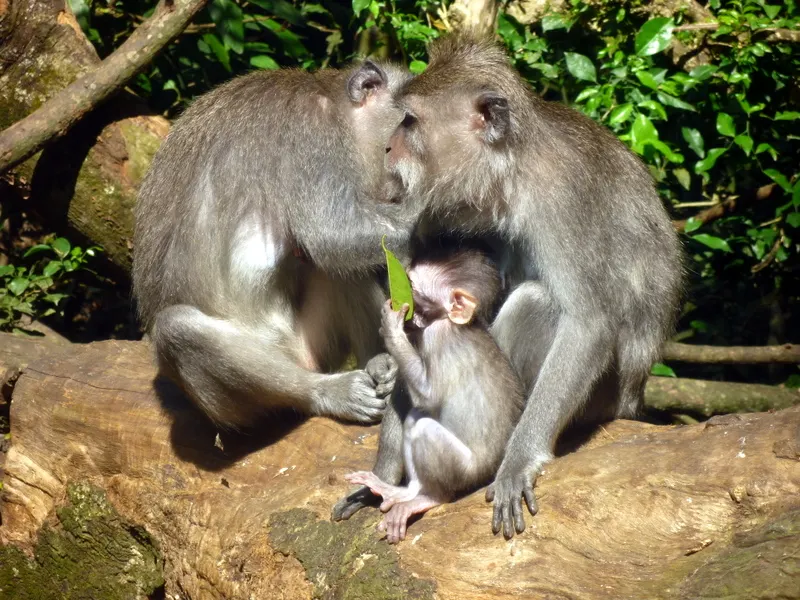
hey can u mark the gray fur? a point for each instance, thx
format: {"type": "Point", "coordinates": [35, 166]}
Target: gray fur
{"type": "Point", "coordinates": [258, 232]}
{"type": "Point", "coordinates": [590, 254]}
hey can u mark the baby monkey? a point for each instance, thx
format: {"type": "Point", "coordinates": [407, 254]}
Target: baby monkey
{"type": "Point", "coordinates": [465, 396]}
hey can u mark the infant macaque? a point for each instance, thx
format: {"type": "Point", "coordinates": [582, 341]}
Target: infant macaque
{"type": "Point", "coordinates": [466, 398]}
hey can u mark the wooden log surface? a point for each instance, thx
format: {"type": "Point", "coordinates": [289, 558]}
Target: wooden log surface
{"type": "Point", "coordinates": [638, 511]}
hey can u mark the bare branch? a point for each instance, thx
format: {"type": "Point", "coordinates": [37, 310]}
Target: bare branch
{"type": "Point", "coordinates": [67, 107]}
{"type": "Point", "coordinates": [786, 353]}
{"type": "Point", "coordinates": [724, 207]}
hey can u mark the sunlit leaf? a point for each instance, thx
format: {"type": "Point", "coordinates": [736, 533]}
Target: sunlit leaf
{"type": "Point", "coordinates": [684, 178]}
{"type": "Point", "coordinates": [674, 102]}
{"type": "Point", "coordinates": [580, 66]}
{"type": "Point", "coordinates": [662, 370]}
{"type": "Point", "coordinates": [654, 36]}
{"type": "Point", "coordinates": [725, 124]}
{"type": "Point", "coordinates": [779, 178]}
{"type": "Point", "coordinates": [399, 284]}
{"type": "Point", "coordinates": [709, 161]}
{"type": "Point", "coordinates": [647, 80]}
{"type": "Point", "coordinates": [713, 242]}
{"type": "Point", "coordinates": [702, 72]}
{"type": "Point", "coordinates": [620, 114]}
{"type": "Point", "coordinates": [6, 270]}
{"type": "Point", "coordinates": [745, 142]}
{"type": "Point", "coordinates": [788, 115]}
{"type": "Point", "coordinates": [36, 249]}
{"type": "Point", "coordinates": [18, 285]}
{"type": "Point", "coordinates": [263, 61]}
{"type": "Point", "coordinates": [793, 219]}
{"type": "Point", "coordinates": [692, 224]}
{"type": "Point", "coordinates": [694, 139]}
{"type": "Point", "coordinates": [554, 21]}
{"type": "Point", "coordinates": [417, 66]}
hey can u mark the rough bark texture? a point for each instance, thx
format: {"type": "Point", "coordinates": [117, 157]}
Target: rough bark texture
{"type": "Point", "coordinates": [638, 511]}
{"type": "Point", "coordinates": [89, 178]}
{"type": "Point", "coordinates": [476, 16]}
{"type": "Point", "coordinates": [695, 353]}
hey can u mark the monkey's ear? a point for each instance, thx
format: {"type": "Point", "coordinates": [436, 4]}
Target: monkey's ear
{"type": "Point", "coordinates": [462, 307]}
{"type": "Point", "coordinates": [494, 116]}
{"type": "Point", "coordinates": [368, 78]}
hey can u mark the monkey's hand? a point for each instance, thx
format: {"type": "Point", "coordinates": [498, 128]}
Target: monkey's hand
{"type": "Point", "coordinates": [353, 502]}
{"type": "Point", "coordinates": [392, 325]}
{"type": "Point", "coordinates": [383, 370]}
{"type": "Point", "coordinates": [350, 396]}
{"type": "Point", "coordinates": [513, 482]}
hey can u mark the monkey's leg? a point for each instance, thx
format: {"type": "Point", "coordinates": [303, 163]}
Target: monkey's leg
{"type": "Point", "coordinates": [235, 374]}
{"type": "Point", "coordinates": [581, 351]}
{"type": "Point", "coordinates": [389, 462]}
{"type": "Point", "coordinates": [395, 522]}
{"type": "Point", "coordinates": [636, 353]}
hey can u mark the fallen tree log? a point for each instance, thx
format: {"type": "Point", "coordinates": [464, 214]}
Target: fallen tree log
{"type": "Point", "coordinates": [104, 460]}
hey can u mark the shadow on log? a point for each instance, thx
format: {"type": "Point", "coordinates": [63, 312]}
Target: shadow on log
{"type": "Point", "coordinates": [638, 511]}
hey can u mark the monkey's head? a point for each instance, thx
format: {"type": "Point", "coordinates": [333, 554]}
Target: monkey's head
{"type": "Point", "coordinates": [460, 124]}
{"type": "Point", "coordinates": [373, 113]}
{"type": "Point", "coordinates": [460, 286]}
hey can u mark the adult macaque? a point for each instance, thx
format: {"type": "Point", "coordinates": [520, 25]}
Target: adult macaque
{"type": "Point", "coordinates": [589, 251]}
{"type": "Point", "coordinates": [465, 396]}
{"type": "Point", "coordinates": [258, 229]}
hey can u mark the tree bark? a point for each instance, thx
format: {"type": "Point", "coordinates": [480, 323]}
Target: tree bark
{"type": "Point", "coordinates": [785, 353]}
{"type": "Point", "coordinates": [638, 511]}
{"type": "Point", "coordinates": [86, 182]}
{"type": "Point", "coordinates": [478, 17]}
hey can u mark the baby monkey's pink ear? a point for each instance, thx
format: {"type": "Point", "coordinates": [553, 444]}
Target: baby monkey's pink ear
{"type": "Point", "coordinates": [462, 307]}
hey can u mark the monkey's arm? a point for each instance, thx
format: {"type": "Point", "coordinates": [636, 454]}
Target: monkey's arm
{"type": "Point", "coordinates": [581, 352]}
{"type": "Point", "coordinates": [409, 362]}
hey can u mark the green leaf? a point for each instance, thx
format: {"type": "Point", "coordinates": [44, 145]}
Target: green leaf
{"type": "Point", "coordinates": [789, 115]}
{"type": "Point", "coordinates": [646, 79]}
{"type": "Point", "coordinates": [262, 61]}
{"type": "Point", "coordinates": [61, 246]}
{"type": "Point", "coordinates": [684, 178]}
{"type": "Point", "coordinates": [399, 284]}
{"type": "Point", "coordinates": [772, 10]}
{"type": "Point", "coordinates": [620, 114]}
{"type": "Point", "coordinates": [6, 270]}
{"type": "Point", "coordinates": [228, 18]}
{"type": "Point", "coordinates": [709, 161]}
{"type": "Point", "coordinates": [359, 5]}
{"type": "Point", "coordinates": [793, 219]}
{"type": "Point", "coordinates": [18, 285]}
{"type": "Point", "coordinates": [642, 132]}
{"type": "Point", "coordinates": [655, 107]}
{"type": "Point", "coordinates": [694, 139]}
{"type": "Point", "coordinates": [580, 67]}
{"type": "Point", "coordinates": [674, 102]}
{"type": "Point", "coordinates": [54, 298]}
{"type": "Point", "coordinates": [282, 10]}
{"type": "Point", "coordinates": [551, 22]}
{"type": "Point", "coordinates": [725, 124]}
{"type": "Point", "coordinates": [702, 72]}
{"type": "Point", "coordinates": [587, 93]}
{"type": "Point", "coordinates": [36, 250]}
{"type": "Point", "coordinates": [745, 142]}
{"type": "Point", "coordinates": [51, 268]}
{"type": "Point", "coordinates": [692, 224]}
{"type": "Point", "coordinates": [417, 66]}
{"type": "Point", "coordinates": [219, 50]}
{"type": "Point", "coordinates": [69, 266]}
{"type": "Point", "coordinates": [662, 370]}
{"type": "Point", "coordinates": [712, 242]}
{"type": "Point", "coordinates": [779, 178]}
{"type": "Point", "coordinates": [767, 148]}
{"type": "Point", "coordinates": [654, 36]}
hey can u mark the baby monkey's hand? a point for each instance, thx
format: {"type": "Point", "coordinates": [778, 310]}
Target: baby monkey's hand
{"type": "Point", "coordinates": [392, 323]}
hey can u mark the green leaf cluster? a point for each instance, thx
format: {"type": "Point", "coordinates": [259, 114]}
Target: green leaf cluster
{"type": "Point", "coordinates": [37, 287]}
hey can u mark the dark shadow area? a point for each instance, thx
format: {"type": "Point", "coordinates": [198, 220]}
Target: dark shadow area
{"type": "Point", "coordinates": [194, 437]}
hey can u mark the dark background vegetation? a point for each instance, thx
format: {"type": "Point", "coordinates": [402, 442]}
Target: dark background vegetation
{"type": "Point", "coordinates": [714, 112]}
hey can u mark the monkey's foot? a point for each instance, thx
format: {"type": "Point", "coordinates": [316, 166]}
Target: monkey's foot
{"type": "Point", "coordinates": [395, 522]}
{"type": "Point", "coordinates": [391, 494]}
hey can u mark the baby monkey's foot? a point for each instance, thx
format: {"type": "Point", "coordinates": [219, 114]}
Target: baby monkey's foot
{"type": "Point", "coordinates": [391, 494]}
{"type": "Point", "coordinates": [395, 522]}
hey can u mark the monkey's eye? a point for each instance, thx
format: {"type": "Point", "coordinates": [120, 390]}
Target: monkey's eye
{"type": "Point", "coordinates": [408, 120]}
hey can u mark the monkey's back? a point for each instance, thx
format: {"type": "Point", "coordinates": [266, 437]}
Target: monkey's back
{"type": "Point", "coordinates": [239, 166]}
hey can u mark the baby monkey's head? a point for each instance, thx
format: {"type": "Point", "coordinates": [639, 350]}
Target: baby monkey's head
{"type": "Point", "coordinates": [459, 285]}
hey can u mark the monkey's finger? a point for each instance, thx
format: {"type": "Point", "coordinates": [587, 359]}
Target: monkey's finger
{"type": "Point", "coordinates": [530, 500]}
{"type": "Point", "coordinates": [384, 389]}
{"type": "Point", "coordinates": [497, 517]}
{"type": "Point", "coordinates": [382, 526]}
{"type": "Point", "coordinates": [516, 509]}
{"type": "Point", "coordinates": [508, 526]}
{"type": "Point", "coordinates": [490, 494]}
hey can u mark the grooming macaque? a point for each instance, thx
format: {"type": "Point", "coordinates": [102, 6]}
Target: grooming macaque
{"type": "Point", "coordinates": [258, 230]}
{"type": "Point", "coordinates": [589, 252]}
{"type": "Point", "coordinates": [465, 397]}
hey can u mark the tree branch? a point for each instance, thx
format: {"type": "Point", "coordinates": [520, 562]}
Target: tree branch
{"type": "Point", "coordinates": [62, 111]}
{"type": "Point", "coordinates": [786, 353]}
{"type": "Point", "coordinates": [724, 207]}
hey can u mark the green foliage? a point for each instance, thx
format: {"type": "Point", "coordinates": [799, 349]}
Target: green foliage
{"type": "Point", "coordinates": [37, 288]}
{"type": "Point", "coordinates": [721, 127]}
